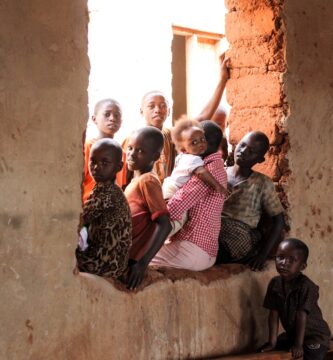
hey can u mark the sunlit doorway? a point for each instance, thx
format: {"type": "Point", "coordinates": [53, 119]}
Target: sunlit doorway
{"type": "Point", "coordinates": [131, 52]}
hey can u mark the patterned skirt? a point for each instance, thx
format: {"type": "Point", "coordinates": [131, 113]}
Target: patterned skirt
{"type": "Point", "coordinates": [237, 241]}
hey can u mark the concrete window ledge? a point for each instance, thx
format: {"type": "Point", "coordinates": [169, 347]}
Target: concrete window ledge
{"type": "Point", "coordinates": [176, 314]}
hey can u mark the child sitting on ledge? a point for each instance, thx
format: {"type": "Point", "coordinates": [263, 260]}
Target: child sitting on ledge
{"type": "Point", "coordinates": [106, 216]}
{"type": "Point", "coordinates": [190, 141]}
{"type": "Point", "coordinates": [150, 217]}
{"type": "Point", "coordinates": [251, 195]}
{"type": "Point", "coordinates": [293, 298]}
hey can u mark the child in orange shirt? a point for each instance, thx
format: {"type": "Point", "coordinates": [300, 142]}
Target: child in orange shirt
{"type": "Point", "coordinates": [107, 117]}
{"type": "Point", "coordinates": [150, 217]}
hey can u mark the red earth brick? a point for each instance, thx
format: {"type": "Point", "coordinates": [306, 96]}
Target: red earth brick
{"type": "Point", "coordinates": [249, 5]}
{"type": "Point", "coordinates": [264, 119]}
{"type": "Point", "coordinates": [269, 167]}
{"type": "Point", "coordinates": [255, 90]}
{"type": "Point", "coordinates": [249, 24]}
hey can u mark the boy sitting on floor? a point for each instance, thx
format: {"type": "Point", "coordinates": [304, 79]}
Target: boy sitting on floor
{"type": "Point", "coordinates": [252, 194]}
{"type": "Point", "coordinates": [106, 216]}
{"type": "Point", "coordinates": [293, 298]}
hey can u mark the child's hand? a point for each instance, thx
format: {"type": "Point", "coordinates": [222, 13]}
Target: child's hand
{"type": "Point", "coordinates": [135, 275]}
{"type": "Point", "coordinates": [222, 190]}
{"type": "Point", "coordinates": [257, 263]}
{"type": "Point", "coordinates": [296, 352]}
{"type": "Point", "coordinates": [225, 67]}
{"type": "Point", "coordinates": [266, 347]}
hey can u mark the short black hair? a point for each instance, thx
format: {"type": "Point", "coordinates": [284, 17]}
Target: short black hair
{"type": "Point", "coordinates": [213, 134]}
{"type": "Point", "coordinates": [156, 93]}
{"type": "Point", "coordinates": [103, 102]}
{"type": "Point", "coordinates": [153, 134]}
{"type": "Point", "coordinates": [300, 246]}
{"type": "Point", "coordinates": [262, 139]}
{"type": "Point", "coordinates": [111, 145]}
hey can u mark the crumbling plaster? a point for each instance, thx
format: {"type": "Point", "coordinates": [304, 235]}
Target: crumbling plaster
{"type": "Point", "coordinates": [45, 311]}
{"type": "Point", "coordinates": [308, 86]}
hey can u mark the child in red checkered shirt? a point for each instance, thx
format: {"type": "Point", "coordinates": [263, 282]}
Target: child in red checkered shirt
{"type": "Point", "coordinates": [190, 141]}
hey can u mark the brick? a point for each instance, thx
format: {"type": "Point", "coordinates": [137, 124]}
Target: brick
{"type": "Point", "coordinates": [254, 90]}
{"type": "Point", "coordinates": [269, 167]}
{"type": "Point", "coordinates": [247, 5]}
{"type": "Point", "coordinates": [265, 119]}
{"type": "Point", "coordinates": [245, 25]}
{"type": "Point", "coordinates": [252, 53]}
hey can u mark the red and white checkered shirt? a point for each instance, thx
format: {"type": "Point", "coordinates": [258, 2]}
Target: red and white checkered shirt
{"type": "Point", "coordinates": [204, 206]}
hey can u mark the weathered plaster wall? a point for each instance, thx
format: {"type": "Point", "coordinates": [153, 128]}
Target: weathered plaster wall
{"type": "Point", "coordinates": [282, 83]}
{"type": "Point", "coordinates": [309, 93]}
{"type": "Point", "coordinates": [45, 311]}
{"type": "Point", "coordinates": [44, 76]}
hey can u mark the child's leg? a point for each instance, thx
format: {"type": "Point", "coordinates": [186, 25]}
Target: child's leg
{"type": "Point", "coordinates": [314, 352]}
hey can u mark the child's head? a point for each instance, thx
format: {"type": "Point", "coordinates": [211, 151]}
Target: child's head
{"type": "Point", "coordinates": [189, 137]}
{"type": "Point", "coordinates": [155, 108]}
{"type": "Point", "coordinates": [214, 136]}
{"type": "Point", "coordinates": [251, 149]}
{"type": "Point", "coordinates": [220, 117]}
{"type": "Point", "coordinates": [105, 160]}
{"type": "Point", "coordinates": [144, 148]}
{"type": "Point", "coordinates": [291, 257]}
{"type": "Point", "coordinates": [107, 117]}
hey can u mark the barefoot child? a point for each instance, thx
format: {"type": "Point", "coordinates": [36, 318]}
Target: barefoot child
{"type": "Point", "coordinates": [293, 299]}
{"type": "Point", "coordinates": [190, 141]}
{"type": "Point", "coordinates": [106, 216]}
{"type": "Point", "coordinates": [107, 118]}
{"type": "Point", "coordinates": [150, 217]}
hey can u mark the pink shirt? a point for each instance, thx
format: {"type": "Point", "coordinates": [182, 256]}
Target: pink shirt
{"type": "Point", "coordinates": [204, 206]}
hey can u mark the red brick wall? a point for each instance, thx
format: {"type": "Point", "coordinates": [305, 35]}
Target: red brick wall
{"type": "Point", "coordinates": [255, 31]}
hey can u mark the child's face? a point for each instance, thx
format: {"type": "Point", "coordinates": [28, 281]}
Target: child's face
{"type": "Point", "coordinates": [289, 261]}
{"type": "Point", "coordinates": [155, 110]}
{"type": "Point", "coordinates": [140, 154]}
{"type": "Point", "coordinates": [193, 141]}
{"type": "Point", "coordinates": [103, 164]}
{"type": "Point", "coordinates": [108, 119]}
{"type": "Point", "coordinates": [249, 152]}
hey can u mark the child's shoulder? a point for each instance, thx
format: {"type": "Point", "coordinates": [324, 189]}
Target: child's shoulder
{"type": "Point", "coordinates": [149, 177]}
{"type": "Point", "coordinates": [260, 177]}
{"type": "Point", "coordinates": [302, 282]}
{"type": "Point", "coordinates": [305, 282]}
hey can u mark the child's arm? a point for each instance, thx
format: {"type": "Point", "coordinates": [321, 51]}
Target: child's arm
{"type": "Point", "coordinates": [273, 326]}
{"type": "Point", "coordinates": [297, 348]}
{"type": "Point", "coordinates": [203, 174]}
{"type": "Point", "coordinates": [210, 108]}
{"type": "Point", "coordinates": [137, 271]}
{"type": "Point", "coordinates": [257, 263]}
